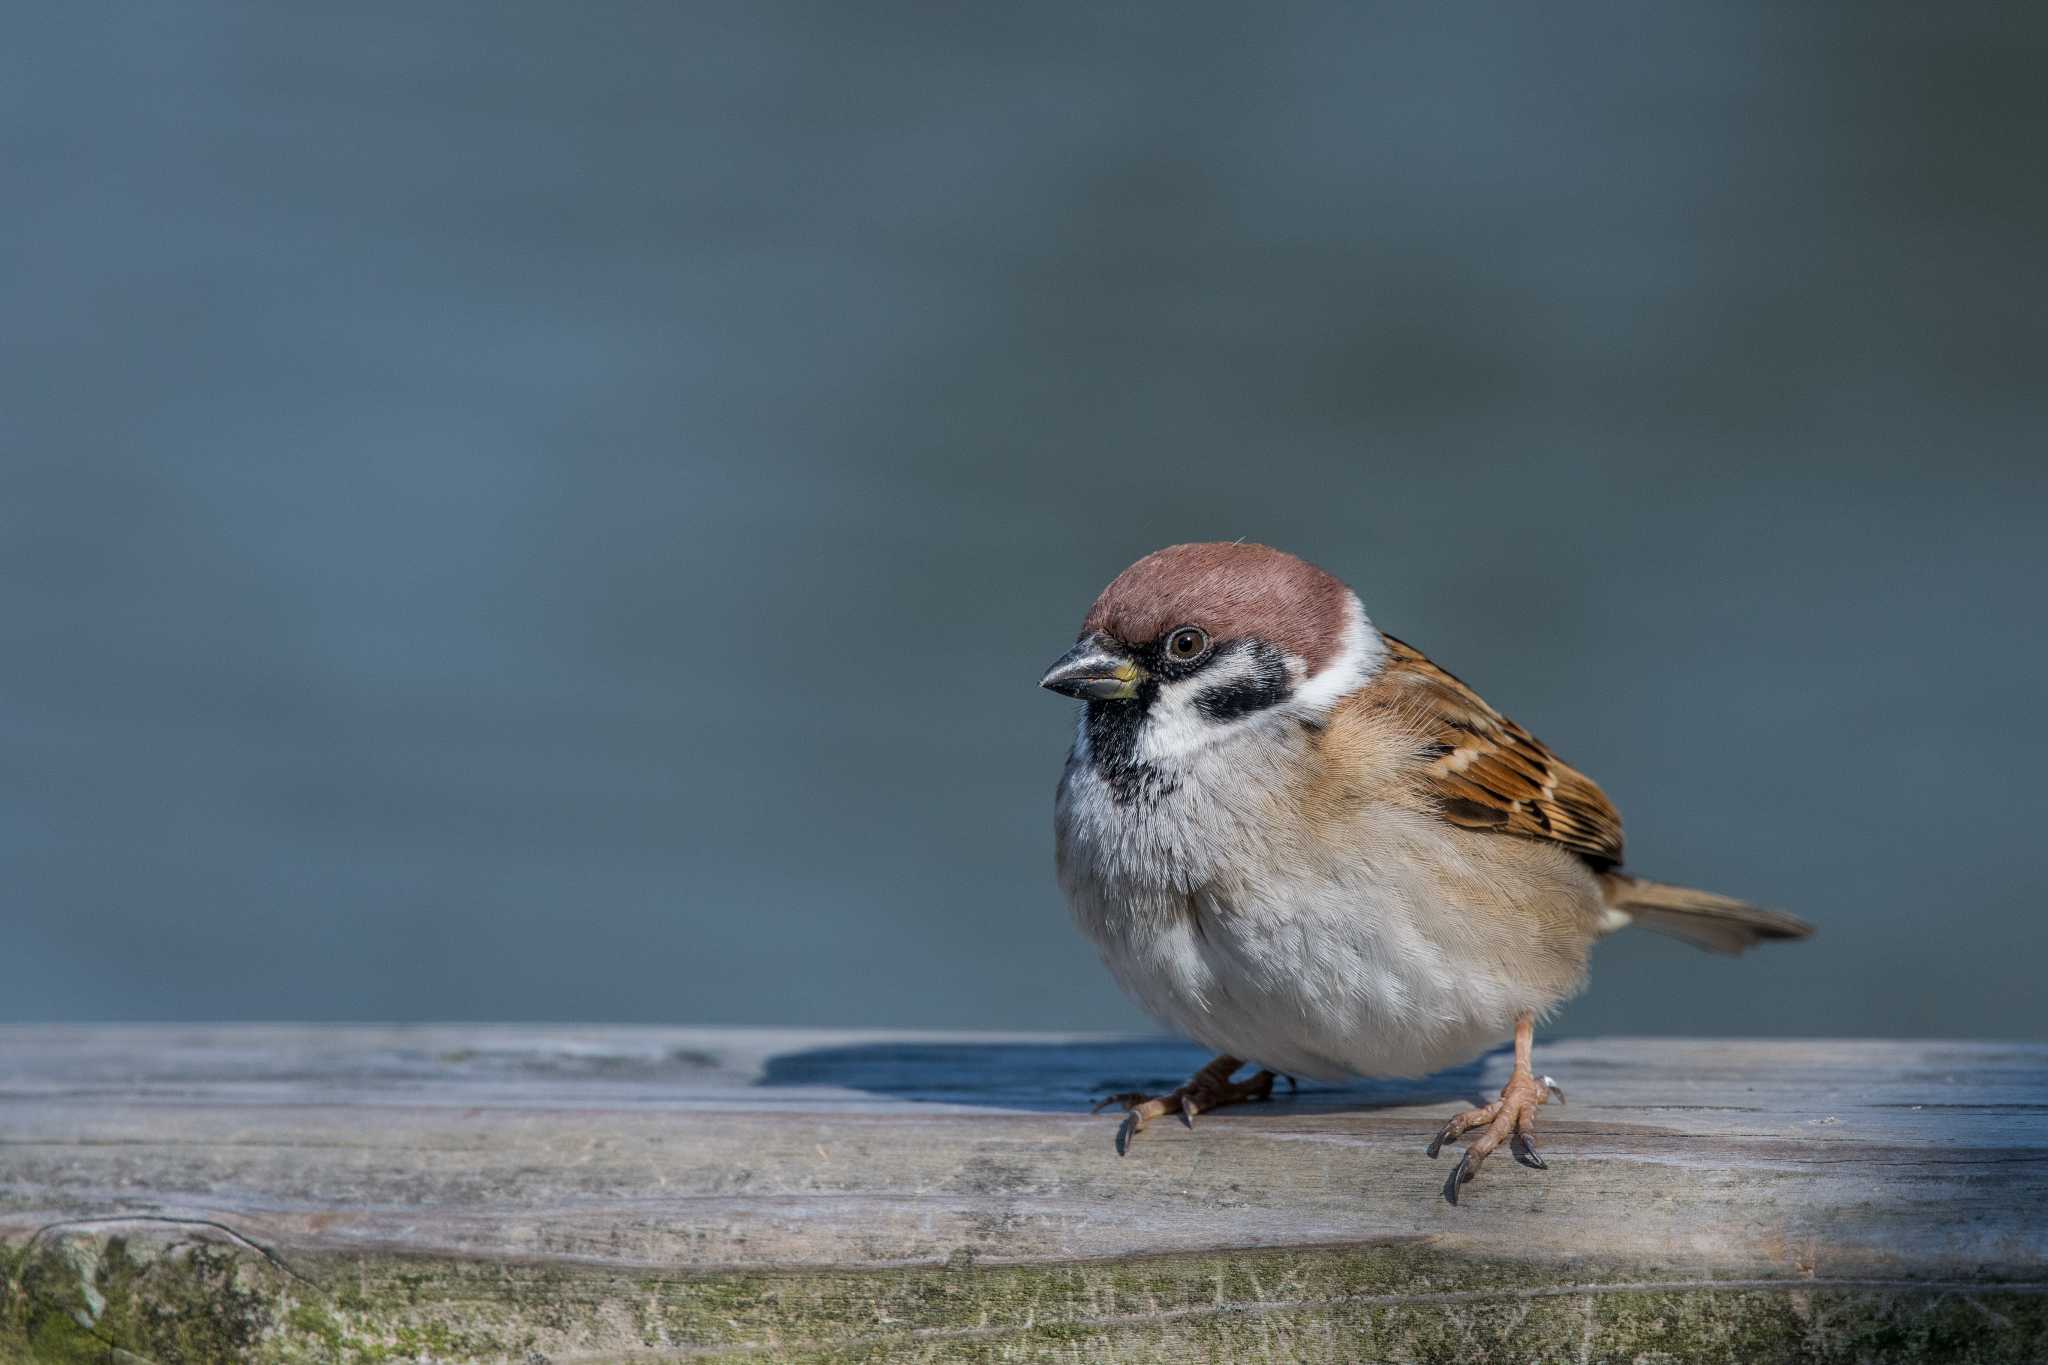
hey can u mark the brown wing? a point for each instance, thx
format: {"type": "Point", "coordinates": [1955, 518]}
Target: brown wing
{"type": "Point", "coordinates": [1490, 773]}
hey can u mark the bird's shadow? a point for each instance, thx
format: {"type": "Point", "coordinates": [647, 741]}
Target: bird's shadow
{"type": "Point", "coordinates": [1069, 1077]}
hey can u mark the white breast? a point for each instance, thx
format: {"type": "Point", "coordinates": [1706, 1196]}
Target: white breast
{"type": "Point", "coordinates": [1228, 924]}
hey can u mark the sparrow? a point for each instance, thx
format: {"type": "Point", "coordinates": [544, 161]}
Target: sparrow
{"type": "Point", "coordinates": [1301, 843]}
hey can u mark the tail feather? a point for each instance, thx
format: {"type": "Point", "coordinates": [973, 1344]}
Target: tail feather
{"type": "Point", "coordinates": [1720, 924]}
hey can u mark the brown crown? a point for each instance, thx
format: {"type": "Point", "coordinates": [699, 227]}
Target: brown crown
{"type": "Point", "coordinates": [1231, 590]}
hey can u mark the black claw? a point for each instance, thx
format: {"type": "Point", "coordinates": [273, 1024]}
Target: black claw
{"type": "Point", "coordinates": [1125, 1131]}
{"type": "Point", "coordinates": [1459, 1176]}
{"type": "Point", "coordinates": [1525, 1152]}
{"type": "Point", "coordinates": [1292, 1088]}
{"type": "Point", "coordinates": [1436, 1144]}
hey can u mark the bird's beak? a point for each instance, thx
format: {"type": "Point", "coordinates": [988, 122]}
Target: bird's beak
{"type": "Point", "coordinates": [1094, 670]}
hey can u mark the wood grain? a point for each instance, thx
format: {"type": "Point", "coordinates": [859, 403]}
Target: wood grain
{"type": "Point", "coordinates": [477, 1193]}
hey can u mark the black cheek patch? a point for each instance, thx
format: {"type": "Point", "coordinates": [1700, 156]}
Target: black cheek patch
{"type": "Point", "coordinates": [1267, 686]}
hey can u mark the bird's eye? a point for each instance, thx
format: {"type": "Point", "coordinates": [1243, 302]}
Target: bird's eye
{"type": "Point", "coordinates": [1186, 643]}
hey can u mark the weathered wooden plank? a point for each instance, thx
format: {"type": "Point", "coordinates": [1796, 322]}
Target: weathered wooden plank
{"type": "Point", "coordinates": [471, 1193]}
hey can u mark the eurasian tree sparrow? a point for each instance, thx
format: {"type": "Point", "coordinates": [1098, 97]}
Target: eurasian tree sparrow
{"type": "Point", "coordinates": [1301, 843]}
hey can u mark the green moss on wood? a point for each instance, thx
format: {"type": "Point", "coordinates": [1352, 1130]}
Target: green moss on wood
{"type": "Point", "coordinates": [173, 1295]}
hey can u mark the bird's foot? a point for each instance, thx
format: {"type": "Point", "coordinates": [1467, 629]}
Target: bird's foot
{"type": "Point", "coordinates": [1209, 1088]}
{"type": "Point", "coordinates": [1510, 1119]}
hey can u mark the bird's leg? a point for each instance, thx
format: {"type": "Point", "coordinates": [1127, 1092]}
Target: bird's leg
{"type": "Point", "coordinates": [1209, 1088]}
{"type": "Point", "coordinates": [1510, 1119]}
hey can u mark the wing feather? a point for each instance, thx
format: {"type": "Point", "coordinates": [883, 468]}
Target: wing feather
{"type": "Point", "coordinates": [1486, 772]}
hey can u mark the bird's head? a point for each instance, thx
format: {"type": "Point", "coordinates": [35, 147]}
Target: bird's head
{"type": "Point", "coordinates": [1196, 642]}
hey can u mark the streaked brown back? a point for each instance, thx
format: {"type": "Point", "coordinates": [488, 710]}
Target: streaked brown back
{"type": "Point", "coordinates": [1485, 771]}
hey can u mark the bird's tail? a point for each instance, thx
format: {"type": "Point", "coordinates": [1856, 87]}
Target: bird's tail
{"type": "Point", "coordinates": [1719, 924]}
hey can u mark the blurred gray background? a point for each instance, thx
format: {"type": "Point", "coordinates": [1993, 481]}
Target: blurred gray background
{"type": "Point", "coordinates": [557, 512]}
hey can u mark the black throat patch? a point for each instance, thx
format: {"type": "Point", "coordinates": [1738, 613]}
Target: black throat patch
{"type": "Point", "coordinates": [1113, 728]}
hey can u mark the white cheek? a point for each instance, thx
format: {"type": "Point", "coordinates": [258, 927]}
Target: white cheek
{"type": "Point", "coordinates": [1175, 727]}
